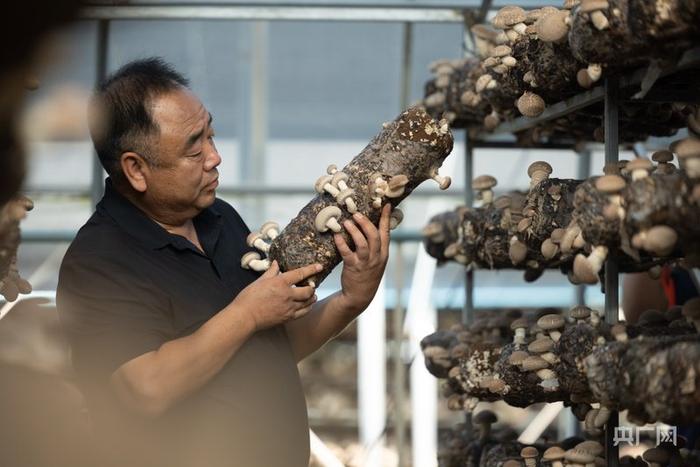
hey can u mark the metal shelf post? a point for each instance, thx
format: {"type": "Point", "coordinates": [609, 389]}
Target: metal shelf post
{"type": "Point", "coordinates": [611, 267]}
{"type": "Point", "coordinates": [96, 183]}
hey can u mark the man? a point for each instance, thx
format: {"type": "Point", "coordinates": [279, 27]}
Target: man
{"type": "Point", "coordinates": [185, 359]}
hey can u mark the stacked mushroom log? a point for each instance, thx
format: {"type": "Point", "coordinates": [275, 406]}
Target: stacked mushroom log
{"type": "Point", "coordinates": [623, 33]}
{"type": "Point", "coordinates": [651, 369]}
{"type": "Point", "coordinates": [643, 214]}
{"type": "Point", "coordinates": [405, 153]}
{"type": "Point", "coordinates": [496, 447]}
{"type": "Point", "coordinates": [449, 95]}
{"type": "Point", "coordinates": [514, 231]}
{"type": "Point", "coordinates": [536, 60]}
{"type": "Point", "coordinates": [11, 284]}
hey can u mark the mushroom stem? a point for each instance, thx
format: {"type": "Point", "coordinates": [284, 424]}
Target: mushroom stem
{"type": "Point", "coordinates": [261, 245]}
{"type": "Point", "coordinates": [599, 20]}
{"type": "Point", "coordinates": [251, 260]}
{"type": "Point", "coordinates": [443, 182]}
{"type": "Point", "coordinates": [333, 224]}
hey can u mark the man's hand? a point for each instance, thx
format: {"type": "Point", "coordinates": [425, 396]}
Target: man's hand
{"type": "Point", "coordinates": [364, 267]}
{"type": "Point", "coordinates": [274, 299]}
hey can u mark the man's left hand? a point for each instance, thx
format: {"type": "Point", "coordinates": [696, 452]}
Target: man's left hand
{"type": "Point", "coordinates": [364, 267]}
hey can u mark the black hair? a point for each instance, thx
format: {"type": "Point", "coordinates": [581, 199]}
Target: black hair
{"type": "Point", "coordinates": [120, 115]}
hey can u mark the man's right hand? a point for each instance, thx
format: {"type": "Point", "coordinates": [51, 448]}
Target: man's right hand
{"type": "Point", "coordinates": [274, 299]}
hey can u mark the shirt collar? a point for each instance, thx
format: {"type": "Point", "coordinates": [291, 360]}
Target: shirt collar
{"type": "Point", "coordinates": [137, 224]}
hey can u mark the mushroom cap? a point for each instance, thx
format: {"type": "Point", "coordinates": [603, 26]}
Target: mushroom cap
{"type": "Point", "coordinates": [518, 357]}
{"type": "Point", "coordinates": [512, 463]}
{"type": "Point", "coordinates": [656, 455]}
{"type": "Point", "coordinates": [252, 237]}
{"type": "Point", "coordinates": [517, 252]}
{"type": "Point", "coordinates": [519, 323]}
{"type": "Point", "coordinates": [345, 194]}
{"type": "Point", "coordinates": [549, 249]}
{"type": "Point", "coordinates": [269, 225]}
{"type": "Point", "coordinates": [508, 16]}
{"type": "Point", "coordinates": [533, 363]}
{"type": "Point", "coordinates": [557, 235]}
{"type": "Point", "coordinates": [580, 312]}
{"type": "Point", "coordinates": [530, 104]}
{"type": "Point", "coordinates": [529, 452]}
{"type": "Point", "coordinates": [324, 215]}
{"type": "Point", "coordinates": [502, 202]}
{"type": "Point", "coordinates": [610, 183]}
{"type": "Point", "coordinates": [541, 345]}
{"type": "Point", "coordinates": [588, 6]}
{"type": "Point", "coordinates": [579, 456]}
{"type": "Point", "coordinates": [691, 308]}
{"type": "Point", "coordinates": [686, 148]}
{"type": "Point", "coordinates": [660, 240]}
{"type": "Point", "coordinates": [331, 169]}
{"type": "Point", "coordinates": [247, 258]}
{"type": "Point", "coordinates": [338, 177]}
{"type": "Point", "coordinates": [552, 27]}
{"type": "Point", "coordinates": [551, 321]}
{"type": "Point", "coordinates": [524, 223]}
{"type": "Point", "coordinates": [501, 51]}
{"type": "Point", "coordinates": [321, 182]}
{"type": "Point", "coordinates": [584, 79]}
{"type": "Point", "coordinates": [539, 166]}
{"type": "Point", "coordinates": [484, 182]}
{"type": "Point", "coordinates": [485, 416]}
{"type": "Point", "coordinates": [662, 156]}
{"type": "Point", "coordinates": [639, 163]}
{"type": "Point", "coordinates": [594, 447]}
{"type": "Point", "coordinates": [552, 454]}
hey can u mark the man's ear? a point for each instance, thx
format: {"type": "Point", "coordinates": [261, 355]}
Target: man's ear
{"type": "Point", "coordinates": [136, 170]}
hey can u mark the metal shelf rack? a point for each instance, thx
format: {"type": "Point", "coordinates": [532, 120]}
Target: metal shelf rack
{"type": "Point", "coordinates": [676, 83]}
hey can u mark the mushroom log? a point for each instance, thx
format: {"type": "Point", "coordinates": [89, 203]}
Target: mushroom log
{"type": "Point", "coordinates": [404, 154]}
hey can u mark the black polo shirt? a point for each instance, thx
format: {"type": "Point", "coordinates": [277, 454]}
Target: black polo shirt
{"type": "Point", "coordinates": [126, 286]}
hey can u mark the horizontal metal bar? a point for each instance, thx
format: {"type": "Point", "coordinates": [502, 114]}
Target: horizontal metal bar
{"type": "Point", "coordinates": [50, 236]}
{"type": "Point", "coordinates": [557, 110]}
{"type": "Point", "coordinates": [558, 145]}
{"type": "Point", "coordinates": [272, 13]}
{"type": "Point", "coordinates": [239, 191]}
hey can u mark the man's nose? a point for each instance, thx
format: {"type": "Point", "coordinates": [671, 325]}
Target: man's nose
{"type": "Point", "coordinates": [213, 158]}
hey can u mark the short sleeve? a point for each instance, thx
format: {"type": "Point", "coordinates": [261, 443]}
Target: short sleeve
{"type": "Point", "coordinates": [110, 315]}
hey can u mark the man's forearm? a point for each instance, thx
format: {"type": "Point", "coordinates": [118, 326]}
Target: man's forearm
{"type": "Point", "coordinates": [152, 382]}
{"type": "Point", "coordinates": [326, 320]}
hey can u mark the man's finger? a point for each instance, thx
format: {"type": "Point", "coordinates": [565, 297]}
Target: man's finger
{"type": "Point", "coordinates": [345, 252]}
{"type": "Point", "coordinates": [384, 223]}
{"type": "Point", "coordinates": [297, 275]}
{"type": "Point", "coordinates": [361, 246]}
{"type": "Point", "coordinates": [302, 294]}
{"type": "Point", "coordinates": [273, 270]}
{"type": "Point", "coordinates": [369, 230]}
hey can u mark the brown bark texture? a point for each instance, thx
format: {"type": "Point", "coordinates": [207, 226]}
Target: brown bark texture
{"type": "Point", "coordinates": [413, 145]}
{"type": "Point", "coordinates": [651, 369]}
{"type": "Point", "coordinates": [519, 60]}
{"type": "Point", "coordinates": [561, 219]}
{"type": "Point", "coordinates": [11, 284]}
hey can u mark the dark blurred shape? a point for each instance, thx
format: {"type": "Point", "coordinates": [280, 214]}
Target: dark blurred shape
{"type": "Point", "coordinates": [25, 26]}
{"type": "Point", "coordinates": [44, 423]}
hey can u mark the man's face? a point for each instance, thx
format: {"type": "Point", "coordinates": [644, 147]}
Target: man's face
{"type": "Point", "coordinates": [185, 177]}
